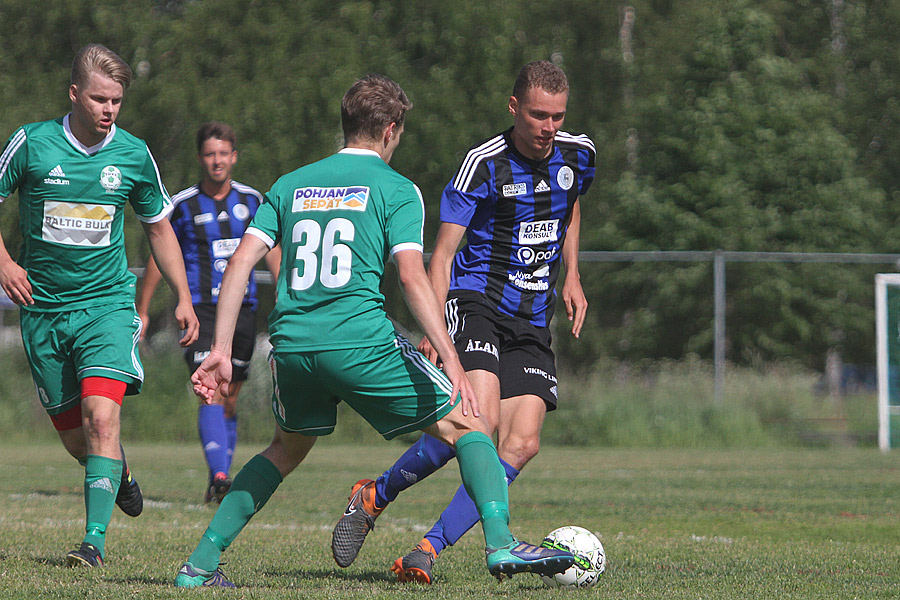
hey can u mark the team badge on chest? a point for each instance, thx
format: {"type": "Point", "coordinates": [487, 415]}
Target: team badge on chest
{"type": "Point", "coordinates": [110, 178]}
{"type": "Point", "coordinates": [565, 177]}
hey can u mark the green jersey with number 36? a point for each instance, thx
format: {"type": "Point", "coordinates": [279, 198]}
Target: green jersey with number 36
{"type": "Point", "coordinates": [72, 211]}
{"type": "Point", "coordinates": [338, 220]}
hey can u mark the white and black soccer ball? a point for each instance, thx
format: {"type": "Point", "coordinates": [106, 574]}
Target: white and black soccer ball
{"type": "Point", "coordinates": [590, 558]}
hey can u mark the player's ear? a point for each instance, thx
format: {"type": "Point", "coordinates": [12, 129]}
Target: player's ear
{"type": "Point", "coordinates": [73, 93]}
{"type": "Point", "coordinates": [388, 133]}
{"type": "Point", "coordinates": [513, 105]}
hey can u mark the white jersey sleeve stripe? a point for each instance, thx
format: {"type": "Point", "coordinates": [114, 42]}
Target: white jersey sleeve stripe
{"type": "Point", "coordinates": [246, 189]}
{"type": "Point", "coordinates": [14, 144]}
{"type": "Point", "coordinates": [420, 245]}
{"type": "Point", "coordinates": [159, 181]}
{"type": "Point", "coordinates": [261, 235]}
{"type": "Point", "coordinates": [183, 195]}
{"type": "Point", "coordinates": [407, 246]}
{"type": "Point", "coordinates": [581, 140]}
{"type": "Point", "coordinates": [422, 204]}
{"type": "Point", "coordinates": [470, 164]}
{"type": "Point", "coordinates": [167, 201]}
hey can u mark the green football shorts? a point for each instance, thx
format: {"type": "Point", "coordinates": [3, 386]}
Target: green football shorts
{"type": "Point", "coordinates": [393, 386]}
{"type": "Point", "coordinates": [65, 347]}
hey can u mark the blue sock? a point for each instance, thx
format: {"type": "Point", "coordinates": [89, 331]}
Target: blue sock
{"type": "Point", "coordinates": [231, 429]}
{"type": "Point", "coordinates": [213, 436]}
{"type": "Point", "coordinates": [418, 462]}
{"type": "Point", "coordinates": [460, 515]}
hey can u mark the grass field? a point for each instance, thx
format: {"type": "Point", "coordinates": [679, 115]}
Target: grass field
{"type": "Point", "coordinates": [675, 524]}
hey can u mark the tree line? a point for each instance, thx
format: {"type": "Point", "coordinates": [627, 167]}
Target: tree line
{"type": "Point", "coordinates": [765, 125]}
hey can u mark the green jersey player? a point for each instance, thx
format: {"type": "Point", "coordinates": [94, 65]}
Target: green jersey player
{"type": "Point", "coordinates": [74, 176]}
{"type": "Point", "coordinates": [338, 220]}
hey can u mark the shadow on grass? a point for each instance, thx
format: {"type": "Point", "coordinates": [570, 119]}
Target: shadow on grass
{"type": "Point", "coordinates": [50, 561]}
{"type": "Point", "coordinates": [144, 580]}
{"type": "Point", "coordinates": [330, 573]}
{"type": "Point", "coordinates": [50, 493]}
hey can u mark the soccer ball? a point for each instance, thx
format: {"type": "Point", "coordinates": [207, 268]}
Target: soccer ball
{"type": "Point", "coordinates": [590, 559]}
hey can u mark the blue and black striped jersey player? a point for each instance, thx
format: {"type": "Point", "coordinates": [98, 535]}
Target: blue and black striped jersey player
{"type": "Point", "coordinates": [209, 219]}
{"type": "Point", "coordinates": [516, 200]}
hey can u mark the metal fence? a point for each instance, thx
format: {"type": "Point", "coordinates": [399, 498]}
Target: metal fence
{"type": "Point", "coordinates": [719, 260]}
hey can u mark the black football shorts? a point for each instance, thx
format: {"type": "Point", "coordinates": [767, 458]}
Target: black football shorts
{"type": "Point", "coordinates": [512, 348]}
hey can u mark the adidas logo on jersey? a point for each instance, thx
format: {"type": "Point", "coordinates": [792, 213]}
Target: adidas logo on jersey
{"type": "Point", "coordinates": [102, 484]}
{"type": "Point", "coordinates": [54, 177]}
{"type": "Point", "coordinates": [223, 216]}
{"type": "Point", "coordinates": [410, 477]}
{"type": "Point", "coordinates": [542, 187]}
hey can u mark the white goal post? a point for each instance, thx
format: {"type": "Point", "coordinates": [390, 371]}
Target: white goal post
{"type": "Point", "coordinates": [887, 339]}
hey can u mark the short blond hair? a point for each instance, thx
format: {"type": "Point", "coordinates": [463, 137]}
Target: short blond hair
{"type": "Point", "coordinates": [95, 58]}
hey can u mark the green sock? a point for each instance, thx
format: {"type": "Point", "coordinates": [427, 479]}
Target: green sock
{"type": "Point", "coordinates": [483, 478]}
{"type": "Point", "coordinates": [101, 484]}
{"type": "Point", "coordinates": [251, 489]}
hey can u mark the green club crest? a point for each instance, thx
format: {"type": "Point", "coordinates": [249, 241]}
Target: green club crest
{"type": "Point", "coordinates": [110, 178]}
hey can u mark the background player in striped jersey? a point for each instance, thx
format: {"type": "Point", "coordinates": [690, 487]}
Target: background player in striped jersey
{"type": "Point", "coordinates": [339, 220]}
{"type": "Point", "coordinates": [209, 219]}
{"type": "Point", "coordinates": [75, 175]}
{"type": "Point", "coordinates": [516, 199]}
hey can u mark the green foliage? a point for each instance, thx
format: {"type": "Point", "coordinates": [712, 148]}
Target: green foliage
{"type": "Point", "coordinates": [668, 404]}
{"type": "Point", "coordinates": [761, 125]}
{"type": "Point", "coordinates": [739, 152]}
{"type": "Point", "coordinates": [656, 405]}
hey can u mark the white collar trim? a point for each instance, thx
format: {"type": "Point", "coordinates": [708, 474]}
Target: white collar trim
{"type": "Point", "coordinates": [360, 151]}
{"type": "Point", "coordinates": [81, 147]}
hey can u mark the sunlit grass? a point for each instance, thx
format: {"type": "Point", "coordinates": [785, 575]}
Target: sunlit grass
{"type": "Point", "coordinates": [729, 524]}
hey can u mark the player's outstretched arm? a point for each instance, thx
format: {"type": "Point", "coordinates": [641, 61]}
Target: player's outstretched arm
{"type": "Point", "coordinates": [572, 292]}
{"type": "Point", "coordinates": [425, 308]}
{"type": "Point", "coordinates": [215, 370]}
{"type": "Point", "coordinates": [448, 238]}
{"type": "Point", "coordinates": [14, 279]}
{"type": "Point", "coordinates": [167, 253]}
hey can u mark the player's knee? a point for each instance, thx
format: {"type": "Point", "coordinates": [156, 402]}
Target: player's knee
{"type": "Point", "coordinates": [288, 450]}
{"type": "Point", "coordinates": [102, 430]}
{"type": "Point", "coordinates": [518, 451]}
{"type": "Point", "coordinates": [455, 425]}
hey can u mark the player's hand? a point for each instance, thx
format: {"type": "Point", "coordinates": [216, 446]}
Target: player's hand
{"type": "Point", "coordinates": [14, 281]}
{"type": "Point", "coordinates": [214, 373]}
{"type": "Point", "coordinates": [188, 323]}
{"type": "Point", "coordinates": [463, 387]}
{"type": "Point", "coordinates": [430, 353]}
{"type": "Point", "coordinates": [576, 303]}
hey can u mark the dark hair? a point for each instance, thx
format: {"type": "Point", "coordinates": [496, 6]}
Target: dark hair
{"type": "Point", "coordinates": [541, 74]}
{"type": "Point", "coordinates": [370, 105]}
{"type": "Point", "coordinates": [95, 58]}
{"type": "Point", "coordinates": [217, 130]}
